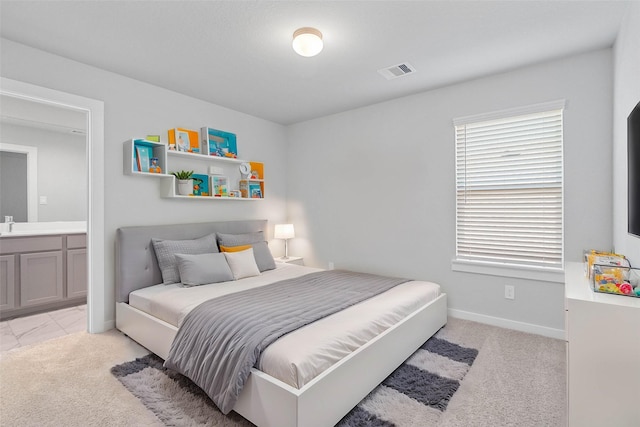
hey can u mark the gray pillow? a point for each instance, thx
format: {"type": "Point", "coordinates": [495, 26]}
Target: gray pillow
{"type": "Point", "coordinates": [166, 249]}
{"type": "Point", "coordinates": [261, 251]}
{"type": "Point", "coordinates": [202, 269]}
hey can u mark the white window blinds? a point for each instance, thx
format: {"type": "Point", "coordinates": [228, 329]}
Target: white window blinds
{"type": "Point", "coordinates": [509, 187]}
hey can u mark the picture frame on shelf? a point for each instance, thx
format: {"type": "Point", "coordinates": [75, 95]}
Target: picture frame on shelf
{"type": "Point", "coordinates": [184, 140]}
{"type": "Point", "coordinates": [220, 186]}
{"type": "Point", "coordinates": [218, 143]}
{"type": "Point", "coordinates": [200, 185]}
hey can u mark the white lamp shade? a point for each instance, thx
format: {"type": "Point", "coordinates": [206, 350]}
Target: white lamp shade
{"type": "Point", "coordinates": [307, 41]}
{"type": "Point", "coordinates": [284, 231]}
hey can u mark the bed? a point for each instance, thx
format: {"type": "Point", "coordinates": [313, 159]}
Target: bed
{"type": "Point", "coordinates": [295, 397]}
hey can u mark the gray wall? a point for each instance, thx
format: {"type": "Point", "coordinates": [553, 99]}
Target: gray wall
{"type": "Point", "coordinates": [62, 170]}
{"type": "Point", "coordinates": [626, 96]}
{"type": "Point", "coordinates": [135, 109]}
{"type": "Point", "coordinates": [373, 188]}
{"type": "Point", "coordinates": [369, 189]}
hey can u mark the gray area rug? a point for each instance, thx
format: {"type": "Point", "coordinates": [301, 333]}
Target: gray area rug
{"type": "Point", "coordinates": [414, 395]}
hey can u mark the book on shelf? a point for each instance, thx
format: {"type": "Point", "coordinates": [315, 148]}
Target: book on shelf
{"type": "Point", "coordinates": [255, 190]}
{"type": "Point", "coordinates": [200, 185]}
{"type": "Point", "coordinates": [136, 158]}
{"type": "Point", "coordinates": [143, 155]}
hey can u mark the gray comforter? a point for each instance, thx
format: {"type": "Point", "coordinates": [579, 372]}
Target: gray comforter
{"type": "Point", "coordinates": [221, 339]}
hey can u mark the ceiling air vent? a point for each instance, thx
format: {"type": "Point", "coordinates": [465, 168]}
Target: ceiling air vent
{"type": "Point", "coordinates": [397, 71]}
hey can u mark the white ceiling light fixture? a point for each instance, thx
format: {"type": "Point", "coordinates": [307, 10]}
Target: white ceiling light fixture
{"type": "Point", "coordinates": [307, 41]}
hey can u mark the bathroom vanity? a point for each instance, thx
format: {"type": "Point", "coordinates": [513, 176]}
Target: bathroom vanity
{"type": "Point", "coordinates": [42, 270]}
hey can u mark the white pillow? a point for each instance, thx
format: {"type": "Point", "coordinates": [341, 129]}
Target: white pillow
{"type": "Point", "coordinates": [243, 264]}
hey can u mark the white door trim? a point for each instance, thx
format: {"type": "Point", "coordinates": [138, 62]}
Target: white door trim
{"type": "Point", "coordinates": [94, 111]}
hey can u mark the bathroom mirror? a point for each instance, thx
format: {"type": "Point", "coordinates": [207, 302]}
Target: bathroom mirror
{"type": "Point", "coordinates": [43, 166]}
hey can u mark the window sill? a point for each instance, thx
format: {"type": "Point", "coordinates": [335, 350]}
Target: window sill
{"type": "Point", "coordinates": [530, 273]}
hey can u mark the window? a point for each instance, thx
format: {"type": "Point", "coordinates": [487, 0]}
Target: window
{"type": "Point", "coordinates": [509, 188]}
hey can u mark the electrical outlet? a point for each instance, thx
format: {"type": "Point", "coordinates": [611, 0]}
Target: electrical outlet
{"type": "Point", "coordinates": [330, 265]}
{"type": "Point", "coordinates": [509, 292]}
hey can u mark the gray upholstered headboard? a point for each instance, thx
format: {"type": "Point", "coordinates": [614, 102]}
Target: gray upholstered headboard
{"type": "Point", "coordinates": [136, 264]}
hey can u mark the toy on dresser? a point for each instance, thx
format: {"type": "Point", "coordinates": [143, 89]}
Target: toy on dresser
{"type": "Point", "coordinates": [616, 280]}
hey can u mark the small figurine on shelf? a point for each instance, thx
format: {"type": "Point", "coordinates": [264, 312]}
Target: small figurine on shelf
{"type": "Point", "coordinates": [155, 167]}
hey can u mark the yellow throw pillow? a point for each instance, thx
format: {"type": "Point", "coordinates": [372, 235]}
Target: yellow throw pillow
{"type": "Point", "coordinates": [234, 248]}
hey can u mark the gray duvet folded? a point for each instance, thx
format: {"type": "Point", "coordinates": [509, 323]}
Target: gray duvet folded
{"type": "Point", "coordinates": [221, 339]}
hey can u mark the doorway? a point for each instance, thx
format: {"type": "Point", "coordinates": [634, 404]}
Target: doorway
{"type": "Point", "coordinates": [93, 111]}
{"type": "Point", "coordinates": [13, 185]}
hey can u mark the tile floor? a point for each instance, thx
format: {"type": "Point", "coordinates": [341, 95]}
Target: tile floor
{"type": "Point", "coordinates": [27, 330]}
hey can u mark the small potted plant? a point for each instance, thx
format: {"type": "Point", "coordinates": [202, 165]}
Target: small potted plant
{"type": "Point", "coordinates": [185, 183]}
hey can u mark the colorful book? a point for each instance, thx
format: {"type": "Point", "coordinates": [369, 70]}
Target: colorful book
{"type": "Point", "coordinates": [255, 190]}
{"type": "Point", "coordinates": [136, 156]}
{"type": "Point", "coordinates": [143, 154]}
{"type": "Point", "coordinates": [200, 185]}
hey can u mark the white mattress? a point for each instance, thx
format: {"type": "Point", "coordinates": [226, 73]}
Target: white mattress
{"type": "Point", "coordinates": [301, 355]}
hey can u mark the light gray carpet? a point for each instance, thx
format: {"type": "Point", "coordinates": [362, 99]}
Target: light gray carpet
{"type": "Point", "coordinates": [517, 379]}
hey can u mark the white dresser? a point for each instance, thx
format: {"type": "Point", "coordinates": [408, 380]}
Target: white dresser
{"type": "Point", "coordinates": [603, 354]}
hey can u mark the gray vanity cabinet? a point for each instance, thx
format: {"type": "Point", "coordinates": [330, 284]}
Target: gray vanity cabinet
{"type": "Point", "coordinates": [42, 273]}
{"type": "Point", "coordinates": [7, 281]}
{"type": "Point", "coordinates": [77, 266]}
{"type": "Point", "coordinates": [40, 278]}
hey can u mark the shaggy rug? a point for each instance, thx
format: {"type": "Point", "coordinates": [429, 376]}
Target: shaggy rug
{"type": "Point", "coordinates": [414, 395]}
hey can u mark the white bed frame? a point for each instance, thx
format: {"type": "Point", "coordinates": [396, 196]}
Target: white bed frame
{"type": "Point", "coordinates": [269, 402]}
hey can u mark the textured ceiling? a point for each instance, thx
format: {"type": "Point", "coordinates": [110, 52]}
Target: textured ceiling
{"type": "Point", "coordinates": [238, 53]}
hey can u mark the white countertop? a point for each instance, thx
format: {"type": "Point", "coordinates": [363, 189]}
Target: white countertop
{"type": "Point", "coordinates": [39, 233]}
{"type": "Point", "coordinates": [21, 229]}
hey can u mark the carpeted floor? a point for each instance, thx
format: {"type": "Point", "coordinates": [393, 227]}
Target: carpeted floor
{"type": "Point", "coordinates": [517, 379]}
{"type": "Point", "coordinates": [414, 395]}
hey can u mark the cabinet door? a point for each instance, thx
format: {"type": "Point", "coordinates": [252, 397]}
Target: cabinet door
{"type": "Point", "coordinates": [40, 278]}
{"type": "Point", "coordinates": [7, 282]}
{"type": "Point", "coordinates": [76, 273]}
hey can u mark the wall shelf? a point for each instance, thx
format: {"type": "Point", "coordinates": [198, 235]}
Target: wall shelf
{"type": "Point", "coordinates": [229, 166]}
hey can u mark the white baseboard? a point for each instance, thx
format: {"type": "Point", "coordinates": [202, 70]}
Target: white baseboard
{"type": "Point", "coordinates": [508, 324]}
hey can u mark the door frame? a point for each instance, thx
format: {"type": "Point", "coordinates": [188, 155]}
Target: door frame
{"type": "Point", "coordinates": [94, 112]}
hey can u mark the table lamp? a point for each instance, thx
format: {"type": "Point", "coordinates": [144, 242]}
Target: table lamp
{"type": "Point", "coordinates": [286, 232]}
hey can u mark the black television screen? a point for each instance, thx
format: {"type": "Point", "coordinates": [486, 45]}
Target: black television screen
{"type": "Point", "coordinates": [633, 156]}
